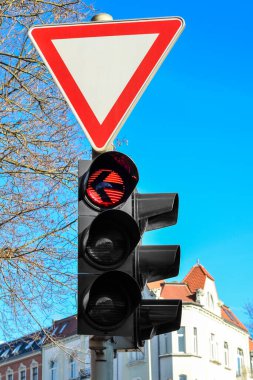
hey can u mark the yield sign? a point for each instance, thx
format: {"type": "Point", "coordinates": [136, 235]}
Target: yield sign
{"type": "Point", "coordinates": [102, 68]}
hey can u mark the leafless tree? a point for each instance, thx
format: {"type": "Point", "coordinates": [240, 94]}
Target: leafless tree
{"type": "Point", "coordinates": [249, 311]}
{"type": "Point", "coordinates": [40, 144]}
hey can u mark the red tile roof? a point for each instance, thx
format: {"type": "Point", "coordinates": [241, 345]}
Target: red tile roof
{"type": "Point", "coordinates": [176, 291]}
{"type": "Point", "coordinates": [250, 344]}
{"type": "Point", "coordinates": [186, 291]}
{"type": "Point", "coordinates": [155, 284]}
{"type": "Point", "coordinates": [65, 327]}
{"type": "Point", "coordinates": [229, 316]}
{"type": "Point", "coordinates": [196, 278]}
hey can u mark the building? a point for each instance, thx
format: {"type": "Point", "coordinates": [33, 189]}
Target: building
{"type": "Point", "coordinates": [212, 344]}
{"type": "Point", "coordinates": [67, 357]}
{"type": "Point", "coordinates": [21, 359]}
{"type": "Point", "coordinates": [251, 356]}
{"type": "Point", "coordinates": [55, 353]}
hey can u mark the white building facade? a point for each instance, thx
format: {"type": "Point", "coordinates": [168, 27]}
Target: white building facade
{"type": "Point", "coordinates": [212, 344]}
{"type": "Point", "coordinates": [205, 347]}
{"type": "Point", "coordinates": [67, 358]}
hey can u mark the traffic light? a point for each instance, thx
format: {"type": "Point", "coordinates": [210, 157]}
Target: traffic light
{"type": "Point", "coordinates": [108, 293]}
{"type": "Point", "coordinates": [113, 266]}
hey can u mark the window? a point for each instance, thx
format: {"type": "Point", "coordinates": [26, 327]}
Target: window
{"type": "Point", "coordinates": [212, 347]}
{"type": "Point", "coordinates": [164, 344]}
{"type": "Point", "coordinates": [5, 353]}
{"type": "Point", "coordinates": [229, 314]}
{"type": "Point", "coordinates": [54, 332]}
{"type": "Point", "coordinates": [72, 368]}
{"type": "Point", "coordinates": [210, 303]}
{"type": "Point", "coordinates": [29, 345]}
{"type": "Point", "coordinates": [22, 374]}
{"type": "Point", "coordinates": [16, 349]}
{"type": "Point", "coordinates": [167, 343]}
{"type": "Point", "coordinates": [217, 351]}
{"type": "Point", "coordinates": [226, 354]}
{"type": "Point", "coordinates": [195, 340]}
{"type": "Point", "coordinates": [85, 373]}
{"type": "Point", "coordinates": [182, 377]}
{"type": "Point", "coordinates": [34, 373]}
{"type": "Point", "coordinates": [9, 374]}
{"type": "Point", "coordinates": [52, 370]}
{"type": "Point", "coordinates": [240, 362]}
{"type": "Point", "coordinates": [42, 340]}
{"type": "Point", "coordinates": [63, 328]}
{"type": "Point", "coordinates": [136, 356]}
{"type": "Point", "coordinates": [181, 339]}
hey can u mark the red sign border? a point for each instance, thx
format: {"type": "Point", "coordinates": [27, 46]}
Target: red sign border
{"type": "Point", "coordinates": [100, 135]}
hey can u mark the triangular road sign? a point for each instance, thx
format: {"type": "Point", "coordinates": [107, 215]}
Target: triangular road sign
{"type": "Point", "coordinates": [102, 68]}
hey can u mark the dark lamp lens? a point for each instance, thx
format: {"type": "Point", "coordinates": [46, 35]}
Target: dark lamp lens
{"type": "Point", "coordinates": [107, 307]}
{"type": "Point", "coordinates": [107, 247]}
{"type": "Point", "coordinates": [105, 188]}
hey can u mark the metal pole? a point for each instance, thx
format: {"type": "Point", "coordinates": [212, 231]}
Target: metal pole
{"type": "Point", "coordinates": [149, 361]}
{"type": "Point", "coordinates": [101, 347]}
{"type": "Point", "coordinates": [101, 358]}
{"type": "Point", "coordinates": [102, 17]}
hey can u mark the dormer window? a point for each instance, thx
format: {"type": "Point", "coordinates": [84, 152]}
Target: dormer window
{"type": "Point", "coordinates": [29, 345]}
{"type": "Point", "coordinates": [54, 332]}
{"type": "Point", "coordinates": [5, 353]}
{"type": "Point", "coordinates": [63, 328]}
{"type": "Point", "coordinates": [42, 340]}
{"type": "Point", "coordinates": [16, 349]}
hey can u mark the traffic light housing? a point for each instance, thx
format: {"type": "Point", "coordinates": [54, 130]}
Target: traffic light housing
{"type": "Point", "coordinates": [154, 263]}
{"type": "Point", "coordinates": [108, 293]}
{"type": "Point", "coordinates": [113, 266]}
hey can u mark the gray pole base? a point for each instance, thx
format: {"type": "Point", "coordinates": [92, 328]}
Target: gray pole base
{"type": "Point", "coordinates": [101, 358]}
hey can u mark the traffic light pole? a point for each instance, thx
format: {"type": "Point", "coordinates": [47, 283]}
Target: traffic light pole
{"type": "Point", "coordinates": [113, 266]}
{"type": "Point", "coordinates": [101, 358]}
{"type": "Point", "coordinates": [100, 347]}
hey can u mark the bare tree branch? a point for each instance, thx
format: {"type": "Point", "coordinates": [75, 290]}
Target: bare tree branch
{"type": "Point", "coordinates": [40, 144]}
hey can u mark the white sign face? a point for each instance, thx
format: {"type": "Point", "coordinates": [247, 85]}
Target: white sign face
{"type": "Point", "coordinates": [116, 57]}
{"type": "Point", "coordinates": [103, 68]}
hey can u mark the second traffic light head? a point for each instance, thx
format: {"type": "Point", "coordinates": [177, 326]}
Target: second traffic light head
{"type": "Point", "coordinates": [157, 262]}
{"type": "Point", "coordinates": [109, 240]}
{"type": "Point", "coordinates": [157, 210]}
{"type": "Point", "coordinates": [155, 317]}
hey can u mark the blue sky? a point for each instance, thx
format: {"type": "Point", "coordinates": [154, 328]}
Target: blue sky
{"type": "Point", "coordinates": [191, 133]}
